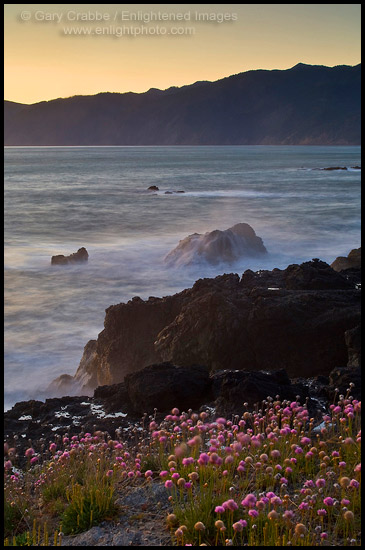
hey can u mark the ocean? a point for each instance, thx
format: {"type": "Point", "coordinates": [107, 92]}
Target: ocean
{"type": "Point", "coordinates": [58, 199]}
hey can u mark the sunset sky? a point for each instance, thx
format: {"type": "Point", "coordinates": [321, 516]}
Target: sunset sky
{"type": "Point", "coordinates": [42, 62]}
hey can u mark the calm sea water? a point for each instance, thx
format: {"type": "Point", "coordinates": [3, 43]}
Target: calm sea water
{"type": "Point", "coordinates": [58, 199]}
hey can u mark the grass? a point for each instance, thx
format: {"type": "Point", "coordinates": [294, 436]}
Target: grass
{"type": "Point", "coordinates": [267, 478]}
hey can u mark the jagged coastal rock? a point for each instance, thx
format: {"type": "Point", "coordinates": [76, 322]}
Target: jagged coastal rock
{"type": "Point", "coordinates": [80, 256]}
{"type": "Point", "coordinates": [217, 246]}
{"type": "Point", "coordinates": [303, 319]}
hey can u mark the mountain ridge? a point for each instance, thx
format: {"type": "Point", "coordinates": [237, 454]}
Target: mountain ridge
{"type": "Point", "coordinates": [306, 104]}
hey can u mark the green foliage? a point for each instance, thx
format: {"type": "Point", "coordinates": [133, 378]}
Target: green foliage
{"type": "Point", "coordinates": [55, 491]}
{"type": "Point", "coordinates": [12, 518]}
{"type": "Point", "coordinates": [88, 506]}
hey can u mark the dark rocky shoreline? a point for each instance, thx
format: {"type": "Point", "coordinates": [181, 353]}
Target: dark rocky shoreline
{"type": "Point", "coordinates": [125, 408]}
{"type": "Point", "coordinates": [299, 319]}
{"type": "Point", "coordinates": [316, 308]}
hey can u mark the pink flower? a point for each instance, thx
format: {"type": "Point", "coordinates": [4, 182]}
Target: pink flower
{"type": "Point", "coordinates": [8, 465]}
{"type": "Point", "coordinates": [249, 501]}
{"type": "Point", "coordinates": [34, 459]}
{"type": "Point", "coordinates": [109, 473]}
{"type": "Point", "coordinates": [321, 512]}
{"type": "Point", "coordinates": [148, 473]}
{"type": "Point", "coordinates": [169, 484]}
{"type": "Point", "coordinates": [320, 482]}
{"type": "Point", "coordinates": [230, 505]}
{"type": "Point", "coordinates": [309, 483]}
{"type": "Point", "coordinates": [354, 484]}
{"type": "Point", "coordinates": [253, 513]}
{"type": "Point", "coordinates": [29, 452]}
{"type": "Point", "coordinates": [219, 510]}
{"type": "Point", "coordinates": [203, 459]}
{"type": "Point", "coordinates": [288, 514]}
{"type": "Point", "coordinates": [328, 501]}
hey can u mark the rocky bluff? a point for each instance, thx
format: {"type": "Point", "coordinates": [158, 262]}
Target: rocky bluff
{"type": "Point", "coordinates": [303, 319]}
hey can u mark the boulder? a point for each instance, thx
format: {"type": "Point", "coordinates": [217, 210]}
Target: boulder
{"type": "Point", "coordinates": [217, 246]}
{"type": "Point", "coordinates": [164, 386]}
{"type": "Point", "coordinates": [353, 343]}
{"type": "Point", "coordinates": [115, 398]}
{"type": "Point", "coordinates": [352, 260]}
{"type": "Point", "coordinates": [314, 275]}
{"type": "Point", "coordinates": [80, 256]}
{"type": "Point", "coordinates": [233, 388]}
{"type": "Point", "coordinates": [153, 188]}
{"type": "Point", "coordinates": [340, 379]}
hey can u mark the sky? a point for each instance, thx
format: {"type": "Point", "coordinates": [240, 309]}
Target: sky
{"type": "Point", "coordinates": [134, 47]}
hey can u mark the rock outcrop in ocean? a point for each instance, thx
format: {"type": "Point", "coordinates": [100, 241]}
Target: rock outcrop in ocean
{"type": "Point", "coordinates": [80, 256]}
{"type": "Point", "coordinates": [239, 241]}
{"type": "Point", "coordinates": [303, 319]}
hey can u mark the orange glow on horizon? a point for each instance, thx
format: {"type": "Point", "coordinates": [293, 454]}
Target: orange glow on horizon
{"type": "Point", "coordinates": [42, 62]}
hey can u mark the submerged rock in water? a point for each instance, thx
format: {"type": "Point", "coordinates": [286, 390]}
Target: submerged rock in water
{"type": "Point", "coordinates": [80, 256]}
{"type": "Point", "coordinates": [218, 246]}
{"type": "Point", "coordinates": [153, 188]}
